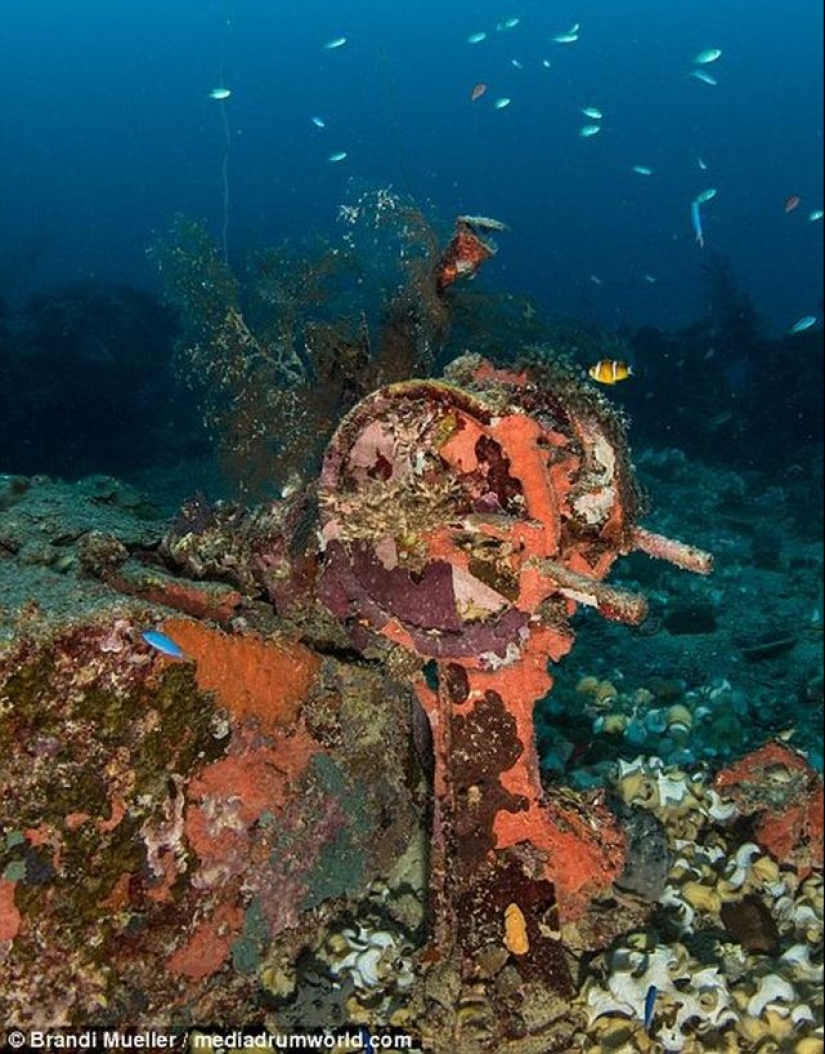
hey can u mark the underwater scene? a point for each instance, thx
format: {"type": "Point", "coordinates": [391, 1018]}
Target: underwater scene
{"type": "Point", "coordinates": [411, 526]}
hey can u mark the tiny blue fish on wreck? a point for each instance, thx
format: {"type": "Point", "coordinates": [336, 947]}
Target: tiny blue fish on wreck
{"type": "Point", "coordinates": [650, 1004]}
{"type": "Point", "coordinates": [162, 643]}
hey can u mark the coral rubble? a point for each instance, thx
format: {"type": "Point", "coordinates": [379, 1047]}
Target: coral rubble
{"type": "Point", "coordinates": [736, 953]}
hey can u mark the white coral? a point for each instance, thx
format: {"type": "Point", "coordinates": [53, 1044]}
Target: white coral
{"type": "Point", "coordinates": [772, 993]}
{"type": "Point", "coordinates": [695, 995]}
{"type": "Point", "coordinates": [798, 959]}
{"type": "Point", "coordinates": [672, 898]}
{"type": "Point", "coordinates": [373, 960]}
{"type": "Point", "coordinates": [720, 811]}
{"type": "Point", "coordinates": [739, 868]}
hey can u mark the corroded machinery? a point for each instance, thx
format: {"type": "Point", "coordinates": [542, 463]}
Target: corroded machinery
{"type": "Point", "coordinates": [465, 520]}
{"type": "Point", "coordinates": [249, 819]}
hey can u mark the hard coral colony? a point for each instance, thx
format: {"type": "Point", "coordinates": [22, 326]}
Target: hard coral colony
{"type": "Point", "coordinates": [250, 823]}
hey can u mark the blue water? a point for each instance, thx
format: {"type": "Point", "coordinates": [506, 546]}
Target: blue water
{"type": "Point", "coordinates": [107, 129]}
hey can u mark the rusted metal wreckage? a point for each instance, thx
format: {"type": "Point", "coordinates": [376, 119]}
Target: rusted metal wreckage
{"type": "Point", "coordinates": [460, 523]}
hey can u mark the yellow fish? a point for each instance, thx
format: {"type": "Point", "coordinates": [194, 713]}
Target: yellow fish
{"type": "Point", "coordinates": [610, 371]}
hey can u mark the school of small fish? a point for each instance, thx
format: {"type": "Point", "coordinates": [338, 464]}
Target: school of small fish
{"type": "Point", "coordinates": [486, 92]}
{"type": "Point", "coordinates": [594, 114]}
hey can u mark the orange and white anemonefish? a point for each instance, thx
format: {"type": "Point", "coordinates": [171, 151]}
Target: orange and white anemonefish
{"type": "Point", "coordinates": [610, 371]}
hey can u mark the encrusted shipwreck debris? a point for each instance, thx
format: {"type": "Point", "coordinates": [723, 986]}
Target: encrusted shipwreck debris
{"type": "Point", "coordinates": [330, 810]}
{"type": "Point", "coordinates": [166, 823]}
{"type": "Point", "coordinates": [469, 247]}
{"type": "Point", "coordinates": [464, 520]}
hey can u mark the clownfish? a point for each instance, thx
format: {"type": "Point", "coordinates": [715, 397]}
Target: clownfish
{"type": "Point", "coordinates": [610, 371]}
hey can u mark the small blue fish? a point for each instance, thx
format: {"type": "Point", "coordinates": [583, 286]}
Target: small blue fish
{"type": "Point", "coordinates": [165, 645]}
{"type": "Point", "coordinates": [650, 1003]}
{"type": "Point", "coordinates": [704, 76]}
{"type": "Point", "coordinates": [366, 1041]}
{"type": "Point", "coordinates": [696, 222]}
{"type": "Point", "coordinates": [708, 55]}
{"type": "Point", "coordinates": [803, 324]}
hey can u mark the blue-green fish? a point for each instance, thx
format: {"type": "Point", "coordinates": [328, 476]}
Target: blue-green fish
{"type": "Point", "coordinates": [650, 1003]}
{"type": "Point", "coordinates": [570, 37]}
{"type": "Point", "coordinates": [708, 55]}
{"type": "Point", "coordinates": [704, 76]}
{"type": "Point", "coordinates": [696, 223]}
{"type": "Point", "coordinates": [165, 645]}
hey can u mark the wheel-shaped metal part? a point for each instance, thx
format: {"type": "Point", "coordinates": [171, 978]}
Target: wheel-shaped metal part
{"type": "Point", "coordinates": [442, 510]}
